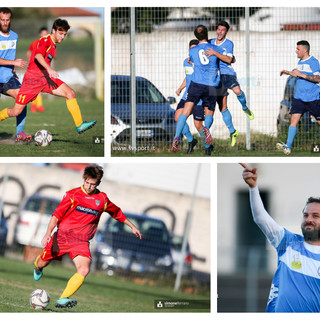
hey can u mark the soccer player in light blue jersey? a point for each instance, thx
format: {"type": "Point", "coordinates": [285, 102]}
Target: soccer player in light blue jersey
{"type": "Point", "coordinates": [306, 97]}
{"type": "Point", "coordinates": [197, 112]}
{"type": "Point", "coordinates": [296, 283]}
{"type": "Point", "coordinates": [203, 85]}
{"type": "Point", "coordinates": [228, 75]}
{"type": "Point", "coordinates": [9, 83]}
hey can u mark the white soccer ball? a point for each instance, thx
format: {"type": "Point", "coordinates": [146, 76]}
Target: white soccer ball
{"type": "Point", "coordinates": [43, 138]}
{"type": "Point", "coordinates": [39, 299]}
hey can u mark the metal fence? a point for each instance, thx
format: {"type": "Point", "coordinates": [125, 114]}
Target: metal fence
{"type": "Point", "coordinates": [264, 44]}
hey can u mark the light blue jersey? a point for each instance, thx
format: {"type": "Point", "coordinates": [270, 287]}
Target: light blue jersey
{"type": "Point", "coordinates": [296, 283]}
{"type": "Point", "coordinates": [8, 46]}
{"type": "Point", "coordinates": [206, 71]}
{"type": "Point", "coordinates": [188, 69]}
{"type": "Point", "coordinates": [226, 48]}
{"type": "Point", "coordinates": [306, 90]}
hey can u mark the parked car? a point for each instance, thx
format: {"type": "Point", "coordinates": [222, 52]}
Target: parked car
{"type": "Point", "coordinates": [118, 248]}
{"type": "Point", "coordinates": [3, 234]}
{"type": "Point", "coordinates": [33, 218]}
{"type": "Point", "coordinates": [177, 255]}
{"type": "Point", "coordinates": [283, 119]}
{"type": "Point", "coordinates": [154, 116]}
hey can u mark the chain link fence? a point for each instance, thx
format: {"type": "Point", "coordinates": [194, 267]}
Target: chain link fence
{"type": "Point", "coordinates": [262, 50]}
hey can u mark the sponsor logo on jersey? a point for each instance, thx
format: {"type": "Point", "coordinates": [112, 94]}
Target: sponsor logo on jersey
{"type": "Point", "coordinates": [88, 210]}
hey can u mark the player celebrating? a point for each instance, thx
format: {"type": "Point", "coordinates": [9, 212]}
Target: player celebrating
{"type": "Point", "coordinates": [202, 87]}
{"type": "Point", "coordinates": [77, 218]}
{"type": "Point", "coordinates": [40, 77]}
{"type": "Point", "coordinates": [37, 104]}
{"type": "Point", "coordinates": [228, 75]}
{"type": "Point", "coordinates": [306, 97]}
{"type": "Point", "coordinates": [9, 83]}
{"type": "Point", "coordinates": [296, 283]}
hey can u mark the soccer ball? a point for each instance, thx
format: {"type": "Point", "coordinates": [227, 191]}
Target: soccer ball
{"type": "Point", "coordinates": [39, 299]}
{"type": "Point", "coordinates": [43, 138]}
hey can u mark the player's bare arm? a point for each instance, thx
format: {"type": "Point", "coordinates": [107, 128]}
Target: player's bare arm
{"type": "Point", "coordinates": [134, 229]}
{"type": "Point", "coordinates": [52, 224]}
{"type": "Point", "coordinates": [52, 73]}
{"type": "Point", "coordinates": [312, 78]}
{"type": "Point", "coordinates": [249, 175]}
{"type": "Point", "coordinates": [182, 86]}
{"type": "Point", "coordinates": [286, 72]}
{"type": "Point", "coordinates": [210, 52]}
{"type": "Point", "coordinates": [17, 63]}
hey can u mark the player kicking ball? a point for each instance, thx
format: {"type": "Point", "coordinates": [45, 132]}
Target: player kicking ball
{"type": "Point", "coordinates": [77, 218]}
{"type": "Point", "coordinates": [40, 77]}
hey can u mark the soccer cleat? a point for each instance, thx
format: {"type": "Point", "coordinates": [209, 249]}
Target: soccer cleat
{"type": "Point", "coordinates": [191, 145]}
{"type": "Point", "coordinates": [175, 144]}
{"type": "Point", "coordinates": [33, 107]}
{"type": "Point", "coordinates": [249, 113]}
{"type": "Point", "coordinates": [207, 135]}
{"type": "Point", "coordinates": [22, 136]}
{"type": "Point", "coordinates": [84, 126]}
{"type": "Point", "coordinates": [283, 147]}
{"type": "Point", "coordinates": [233, 137]}
{"type": "Point", "coordinates": [65, 303]}
{"type": "Point", "coordinates": [208, 150]}
{"type": "Point", "coordinates": [41, 109]}
{"type": "Point", "coordinates": [37, 274]}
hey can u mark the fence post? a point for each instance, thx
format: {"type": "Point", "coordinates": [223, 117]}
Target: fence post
{"type": "Point", "coordinates": [133, 79]}
{"type": "Point", "coordinates": [247, 15]}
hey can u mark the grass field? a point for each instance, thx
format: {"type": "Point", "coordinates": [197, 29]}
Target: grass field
{"type": "Point", "coordinates": [56, 119]}
{"type": "Point", "coordinates": [261, 146]}
{"type": "Point", "coordinates": [99, 293]}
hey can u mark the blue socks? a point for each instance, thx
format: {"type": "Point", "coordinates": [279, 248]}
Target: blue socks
{"type": "Point", "coordinates": [180, 125]}
{"type": "Point", "coordinates": [227, 118]}
{"type": "Point", "coordinates": [208, 121]}
{"type": "Point", "coordinates": [21, 119]}
{"type": "Point", "coordinates": [291, 134]}
{"type": "Point", "coordinates": [187, 133]}
{"type": "Point", "coordinates": [242, 99]}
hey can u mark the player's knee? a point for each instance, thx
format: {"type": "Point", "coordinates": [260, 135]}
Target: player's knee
{"type": "Point", "coordinates": [70, 94]}
{"type": "Point", "coordinates": [83, 270]}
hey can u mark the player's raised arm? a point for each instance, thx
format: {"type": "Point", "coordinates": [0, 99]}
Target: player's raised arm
{"type": "Point", "coordinates": [249, 175]}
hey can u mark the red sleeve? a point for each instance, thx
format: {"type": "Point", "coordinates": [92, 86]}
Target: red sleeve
{"type": "Point", "coordinates": [32, 45]}
{"type": "Point", "coordinates": [42, 46]}
{"type": "Point", "coordinates": [63, 207]}
{"type": "Point", "coordinates": [114, 211]}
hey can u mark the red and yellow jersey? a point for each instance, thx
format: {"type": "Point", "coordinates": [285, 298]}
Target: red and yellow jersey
{"type": "Point", "coordinates": [47, 48]}
{"type": "Point", "coordinates": [79, 213]}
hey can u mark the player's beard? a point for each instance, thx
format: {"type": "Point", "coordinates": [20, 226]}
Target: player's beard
{"type": "Point", "coordinates": [310, 234]}
{"type": "Point", "coordinates": [7, 28]}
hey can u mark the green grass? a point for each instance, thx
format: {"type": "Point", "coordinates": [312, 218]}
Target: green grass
{"type": "Point", "coordinates": [99, 293]}
{"type": "Point", "coordinates": [261, 146]}
{"type": "Point", "coordinates": [56, 119]}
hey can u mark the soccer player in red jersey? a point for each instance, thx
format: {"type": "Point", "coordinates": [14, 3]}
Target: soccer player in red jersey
{"type": "Point", "coordinates": [37, 104]}
{"type": "Point", "coordinates": [76, 219]}
{"type": "Point", "coordinates": [40, 77]}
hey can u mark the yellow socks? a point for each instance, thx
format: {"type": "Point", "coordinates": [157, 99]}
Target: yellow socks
{"type": "Point", "coordinates": [4, 114]}
{"type": "Point", "coordinates": [74, 109]}
{"type": "Point", "coordinates": [73, 285]}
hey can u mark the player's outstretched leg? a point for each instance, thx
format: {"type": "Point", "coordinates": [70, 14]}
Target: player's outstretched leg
{"type": "Point", "coordinates": [242, 99]}
{"type": "Point", "coordinates": [75, 112]}
{"type": "Point", "coordinates": [37, 272]}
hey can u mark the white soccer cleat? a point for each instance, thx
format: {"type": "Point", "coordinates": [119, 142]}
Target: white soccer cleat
{"type": "Point", "coordinates": [283, 147]}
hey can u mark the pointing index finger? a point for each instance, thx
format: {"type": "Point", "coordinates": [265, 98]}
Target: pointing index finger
{"type": "Point", "coordinates": [244, 165]}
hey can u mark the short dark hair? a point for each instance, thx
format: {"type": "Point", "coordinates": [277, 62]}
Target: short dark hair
{"type": "Point", "coordinates": [93, 171]}
{"type": "Point", "coordinates": [224, 24]}
{"type": "Point", "coordinates": [201, 32]}
{"type": "Point", "coordinates": [61, 25]}
{"type": "Point", "coordinates": [193, 42]}
{"type": "Point", "coordinates": [312, 200]}
{"type": "Point", "coordinates": [6, 10]}
{"type": "Point", "coordinates": [305, 44]}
